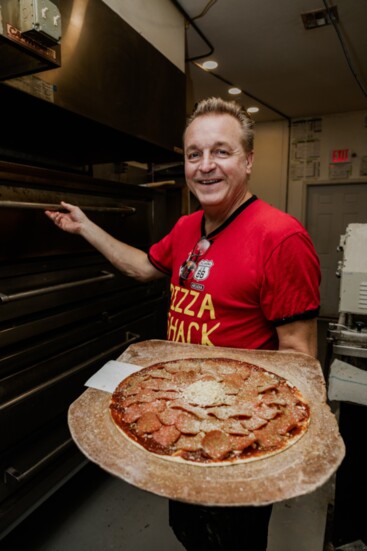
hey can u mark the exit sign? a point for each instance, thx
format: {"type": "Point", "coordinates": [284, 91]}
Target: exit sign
{"type": "Point", "coordinates": [340, 155]}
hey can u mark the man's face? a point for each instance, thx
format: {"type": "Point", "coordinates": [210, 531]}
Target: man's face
{"type": "Point", "coordinates": [216, 165]}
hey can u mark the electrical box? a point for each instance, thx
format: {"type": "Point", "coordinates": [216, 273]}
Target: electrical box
{"type": "Point", "coordinates": [40, 19]}
{"type": "Point", "coordinates": [30, 32]}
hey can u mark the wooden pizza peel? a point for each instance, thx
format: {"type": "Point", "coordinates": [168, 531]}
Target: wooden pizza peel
{"type": "Point", "coordinates": [296, 471]}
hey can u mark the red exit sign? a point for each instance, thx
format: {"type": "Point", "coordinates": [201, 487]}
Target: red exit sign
{"type": "Point", "coordinates": [340, 155]}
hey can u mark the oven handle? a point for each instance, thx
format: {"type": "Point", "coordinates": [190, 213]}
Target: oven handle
{"type": "Point", "coordinates": [53, 206]}
{"type": "Point", "coordinates": [35, 292]}
{"type": "Point", "coordinates": [12, 475]}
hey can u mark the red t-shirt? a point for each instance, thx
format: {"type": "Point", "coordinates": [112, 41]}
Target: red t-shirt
{"type": "Point", "coordinates": [260, 271]}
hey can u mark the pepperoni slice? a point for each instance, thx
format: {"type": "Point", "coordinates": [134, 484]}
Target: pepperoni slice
{"type": "Point", "coordinates": [216, 444]}
{"type": "Point", "coordinates": [187, 424]}
{"type": "Point", "coordinates": [166, 435]}
{"type": "Point", "coordinates": [169, 416]}
{"type": "Point", "coordinates": [240, 443]}
{"type": "Point", "coordinates": [189, 443]}
{"type": "Point", "coordinates": [132, 413]}
{"type": "Point", "coordinates": [148, 423]}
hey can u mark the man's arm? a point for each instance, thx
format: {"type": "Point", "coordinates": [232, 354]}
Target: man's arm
{"type": "Point", "coordinates": [299, 336]}
{"type": "Point", "coordinates": [129, 260]}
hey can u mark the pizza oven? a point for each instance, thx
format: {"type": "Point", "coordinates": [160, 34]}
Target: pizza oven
{"type": "Point", "coordinates": [64, 312]}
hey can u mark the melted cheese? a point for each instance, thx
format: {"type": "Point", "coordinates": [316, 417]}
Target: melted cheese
{"type": "Point", "coordinates": [205, 393]}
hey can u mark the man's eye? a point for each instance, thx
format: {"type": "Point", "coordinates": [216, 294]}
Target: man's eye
{"type": "Point", "coordinates": [221, 153]}
{"type": "Point", "coordinates": [193, 155]}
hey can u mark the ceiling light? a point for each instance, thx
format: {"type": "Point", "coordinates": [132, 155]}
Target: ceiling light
{"type": "Point", "coordinates": [234, 91]}
{"type": "Point", "coordinates": [209, 65]}
{"type": "Point", "coordinates": [252, 110]}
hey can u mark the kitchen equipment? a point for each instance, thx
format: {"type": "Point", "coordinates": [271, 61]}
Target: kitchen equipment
{"type": "Point", "coordinates": [30, 32]}
{"type": "Point", "coordinates": [346, 372]}
{"type": "Point", "coordinates": [64, 311]}
{"type": "Point", "coordinates": [114, 95]}
{"type": "Point", "coordinates": [348, 336]}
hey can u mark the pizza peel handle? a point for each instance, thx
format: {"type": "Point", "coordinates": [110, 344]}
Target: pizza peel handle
{"type": "Point", "coordinates": [298, 470]}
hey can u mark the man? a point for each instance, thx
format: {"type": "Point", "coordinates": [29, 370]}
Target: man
{"type": "Point", "coordinates": [243, 274]}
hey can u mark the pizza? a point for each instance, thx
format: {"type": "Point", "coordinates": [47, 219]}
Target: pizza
{"type": "Point", "coordinates": [209, 411]}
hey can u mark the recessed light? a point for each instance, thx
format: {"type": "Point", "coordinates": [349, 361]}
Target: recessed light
{"type": "Point", "coordinates": [252, 110]}
{"type": "Point", "coordinates": [209, 65]}
{"type": "Point", "coordinates": [234, 91]}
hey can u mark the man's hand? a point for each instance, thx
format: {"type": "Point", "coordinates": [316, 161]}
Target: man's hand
{"type": "Point", "coordinates": [70, 221]}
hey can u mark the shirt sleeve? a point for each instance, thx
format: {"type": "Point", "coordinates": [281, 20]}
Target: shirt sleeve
{"type": "Point", "coordinates": [291, 281]}
{"type": "Point", "coordinates": [160, 254]}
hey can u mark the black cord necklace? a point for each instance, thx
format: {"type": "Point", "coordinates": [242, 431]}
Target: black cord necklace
{"type": "Point", "coordinates": [229, 219]}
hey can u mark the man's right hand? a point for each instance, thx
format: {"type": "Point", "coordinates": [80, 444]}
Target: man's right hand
{"type": "Point", "coordinates": [70, 221]}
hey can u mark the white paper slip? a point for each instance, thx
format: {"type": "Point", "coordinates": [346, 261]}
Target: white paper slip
{"type": "Point", "coordinates": [347, 383]}
{"type": "Point", "coordinates": [110, 375]}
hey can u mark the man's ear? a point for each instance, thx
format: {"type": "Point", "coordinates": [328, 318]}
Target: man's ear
{"type": "Point", "coordinates": [249, 161]}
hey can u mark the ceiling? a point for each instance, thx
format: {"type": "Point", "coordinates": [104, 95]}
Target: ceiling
{"type": "Point", "coordinates": [262, 48]}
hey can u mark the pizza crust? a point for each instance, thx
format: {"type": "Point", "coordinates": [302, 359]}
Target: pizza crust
{"type": "Point", "coordinates": [212, 394]}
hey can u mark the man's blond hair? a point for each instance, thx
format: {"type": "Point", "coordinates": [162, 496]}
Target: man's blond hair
{"type": "Point", "coordinates": [218, 106]}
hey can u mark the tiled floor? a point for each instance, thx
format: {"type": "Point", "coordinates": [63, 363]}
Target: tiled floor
{"type": "Point", "coordinates": [95, 511]}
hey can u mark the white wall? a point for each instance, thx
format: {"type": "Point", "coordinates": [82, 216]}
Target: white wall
{"type": "Point", "coordinates": [311, 143]}
{"type": "Point", "coordinates": [342, 131]}
{"type": "Point", "coordinates": [159, 22]}
{"type": "Point", "coordinates": [269, 175]}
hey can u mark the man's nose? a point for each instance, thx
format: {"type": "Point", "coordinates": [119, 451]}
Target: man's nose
{"type": "Point", "coordinates": [207, 163]}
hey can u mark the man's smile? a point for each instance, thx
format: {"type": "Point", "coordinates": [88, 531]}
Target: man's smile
{"type": "Point", "coordinates": [208, 182]}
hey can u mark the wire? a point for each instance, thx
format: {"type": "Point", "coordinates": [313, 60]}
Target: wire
{"type": "Point", "coordinates": [216, 75]}
{"type": "Point", "coordinates": [211, 48]}
{"type": "Point", "coordinates": [345, 50]}
{"type": "Point", "coordinates": [205, 10]}
{"type": "Point", "coordinates": [335, 325]}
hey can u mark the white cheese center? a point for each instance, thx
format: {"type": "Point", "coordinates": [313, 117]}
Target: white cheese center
{"type": "Point", "coordinates": [204, 393]}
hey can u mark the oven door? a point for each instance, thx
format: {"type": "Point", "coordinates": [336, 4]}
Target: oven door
{"type": "Point", "coordinates": [64, 311]}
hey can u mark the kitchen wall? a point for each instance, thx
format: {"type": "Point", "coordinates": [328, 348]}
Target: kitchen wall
{"type": "Point", "coordinates": [328, 149]}
{"type": "Point", "coordinates": [269, 173]}
{"type": "Point", "coordinates": [287, 159]}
